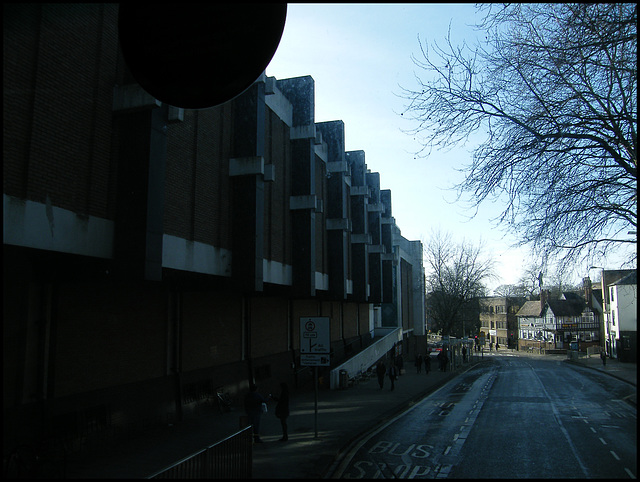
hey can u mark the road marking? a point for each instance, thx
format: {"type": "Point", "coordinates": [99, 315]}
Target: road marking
{"type": "Point", "coordinates": [447, 450]}
{"type": "Point", "coordinates": [614, 454]}
{"type": "Point", "coordinates": [593, 430]}
{"type": "Point", "coordinates": [602, 440]}
{"type": "Point", "coordinates": [340, 465]}
{"type": "Point", "coordinates": [444, 472]}
{"type": "Point", "coordinates": [556, 414]}
{"type": "Point", "coordinates": [630, 473]}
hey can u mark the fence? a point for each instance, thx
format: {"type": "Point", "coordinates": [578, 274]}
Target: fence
{"type": "Point", "coordinates": [230, 458]}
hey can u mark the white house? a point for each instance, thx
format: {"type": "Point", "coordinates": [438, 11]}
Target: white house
{"type": "Point", "coordinates": [552, 324]}
{"type": "Point", "coordinates": [623, 316]}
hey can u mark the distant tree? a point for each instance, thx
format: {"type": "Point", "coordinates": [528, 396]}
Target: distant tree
{"type": "Point", "coordinates": [531, 280]}
{"type": "Point", "coordinates": [516, 290]}
{"type": "Point", "coordinates": [455, 276]}
{"type": "Point", "coordinates": [553, 86]}
{"type": "Point", "coordinates": [537, 276]}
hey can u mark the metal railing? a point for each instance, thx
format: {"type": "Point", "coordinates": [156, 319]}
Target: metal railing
{"type": "Point", "coordinates": [231, 458]}
{"type": "Point", "coordinates": [369, 356]}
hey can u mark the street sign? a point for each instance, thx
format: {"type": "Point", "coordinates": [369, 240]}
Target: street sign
{"type": "Point", "coordinates": [315, 349]}
{"type": "Point", "coordinates": [315, 336]}
{"type": "Point", "coordinates": [314, 360]}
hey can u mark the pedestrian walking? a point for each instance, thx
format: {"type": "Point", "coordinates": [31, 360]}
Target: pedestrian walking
{"type": "Point", "coordinates": [497, 346]}
{"type": "Point", "coordinates": [282, 409]}
{"type": "Point", "coordinates": [464, 354]}
{"type": "Point", "coordinates": [253, 406]}
{"type": "Point", "coordinates": [427, 363]}
{"type": "Point", "coordinates": [603, 357]}
{"type": "Point", "coordinates": [419, 363]}
{"type": "Point", "coordinates": [441, 358]}
{"type": "Point", "coordinates": [381, 371]}
{"type": "Point", "coordinates": [393, 374]}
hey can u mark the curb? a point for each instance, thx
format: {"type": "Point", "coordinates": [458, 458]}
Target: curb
{"type": "Point", "coordinates": [577, 363]}
{"type": "Point", "coordinates": [630, 399]}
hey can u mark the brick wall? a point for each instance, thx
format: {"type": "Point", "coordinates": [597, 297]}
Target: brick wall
{"type": "Point", "coordinates": [60, 127]}
{"type": "Point", "coordinates": [269, 326]}
{"type": "Point", "coordinates": [277, 215]}
{"type": "Point", "coordinates": [197, 197]}
{"type": "Point", "coordinates": [211, 324]}
{"type": "Point", "coordinates": [108, 335]}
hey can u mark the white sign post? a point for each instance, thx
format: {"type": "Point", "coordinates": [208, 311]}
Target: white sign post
{"type": "Point", "coordinates": [315, 341]}
{"type": "Point", "coordinates": [315, 348]}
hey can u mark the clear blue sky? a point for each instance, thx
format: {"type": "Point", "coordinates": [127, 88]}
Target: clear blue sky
{"type": "Point", "coordinates": [360, 56]}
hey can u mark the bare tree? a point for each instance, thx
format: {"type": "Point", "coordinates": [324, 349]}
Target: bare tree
{"type": "Point", "coordinates": [513, 291]}
{"type": "Point", "coordinates": [532, 280]}
{"type": "Point", "coordinates": [454, 279]}
{"type": "Point", "coordinates": [553, 87]}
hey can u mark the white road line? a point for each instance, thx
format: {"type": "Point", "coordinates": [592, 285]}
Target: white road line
{"type": "Point", "coordinates": [630, 473]}
{"type": "Point", "coordinates": [614, 454]}
{"type": "Point", "coordinates": [556, 414]}
{"type": "Point", "coordinates": [444, 472]}
{"type": "Point", "coordinates": [593, 430]}
{"type": "Point", "coordinates": [447, 450]}
{"type": "Point", "coordinates": [602, 440]}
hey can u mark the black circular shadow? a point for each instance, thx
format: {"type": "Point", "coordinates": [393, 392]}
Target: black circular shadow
{"type": "Point", "coordinates": [196, 56]}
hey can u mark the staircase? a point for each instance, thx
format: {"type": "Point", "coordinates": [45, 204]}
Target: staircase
{"type": "Point", "coordinates": [359, 363]}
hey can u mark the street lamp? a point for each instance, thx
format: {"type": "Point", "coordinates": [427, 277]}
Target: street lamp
{"type": "Point", "coordinates": [607, 335]}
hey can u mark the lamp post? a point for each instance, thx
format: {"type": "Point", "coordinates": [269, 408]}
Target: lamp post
{"type": "Point", "coordinates": [605, 320]}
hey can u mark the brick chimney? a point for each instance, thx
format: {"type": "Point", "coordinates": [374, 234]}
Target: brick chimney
{"type": "Point", "coordinates": [588, 291]}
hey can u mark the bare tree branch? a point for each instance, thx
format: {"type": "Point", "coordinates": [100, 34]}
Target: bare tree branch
{"type": "Point", "coordinates": [455, 277]}
{"type": "Point", "coordinates": [554, 90]}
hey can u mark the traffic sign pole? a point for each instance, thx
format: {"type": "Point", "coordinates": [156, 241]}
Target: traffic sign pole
{"type": "Point", "coordinates": [315, 349]}
{"type": "Point", "coordinates": [315, 370]}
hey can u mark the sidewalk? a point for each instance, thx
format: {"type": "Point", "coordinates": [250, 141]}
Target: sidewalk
{"type": "Point", "coordinates": [342, 417]}
{"type": "Point", "coordinates": [627, 372]}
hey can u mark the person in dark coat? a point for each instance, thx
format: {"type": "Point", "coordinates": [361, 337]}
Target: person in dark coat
{"type": "Point", "coordinates": [399, 365]}
{"type": "Point", "coordinates": [282, 409]}
{"type": "Point", "coordinates": [440, 359]}
{"type": "Point", "coordinates": [427, 363]}
{"type": "Point", "coordinates": [393, 374]}
{"type": "Point", "coordinates": [381, 370]}
{"type": "Point", "coordinates": [419, 363]}
{"type": "Point", "coordinates": [253, 407]}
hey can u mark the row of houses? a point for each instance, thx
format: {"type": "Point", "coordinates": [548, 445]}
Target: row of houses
{"type": "Point", "coordinates": [152, 254]}
{"type": "Point", "coordinates": [574, 321]}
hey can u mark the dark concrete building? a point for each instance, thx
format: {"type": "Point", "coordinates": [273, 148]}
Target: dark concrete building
{"type": "Point", "coordinates": [152, 254]}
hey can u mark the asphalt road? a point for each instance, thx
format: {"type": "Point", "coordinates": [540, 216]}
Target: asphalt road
{"type": "Point", "coordinates": [514, 417]}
